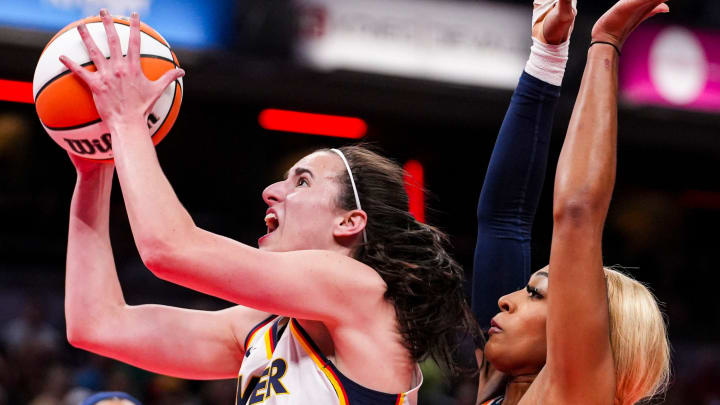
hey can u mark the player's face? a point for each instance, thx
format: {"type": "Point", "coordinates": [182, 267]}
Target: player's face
{"type": "Point", "coordinates": [302, 209]}
{"type": "Point", "coordinates": [518, 343]}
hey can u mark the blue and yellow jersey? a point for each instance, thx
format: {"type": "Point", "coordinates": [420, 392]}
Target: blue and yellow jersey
{"type": "Point", "coordinates": [283, 366]}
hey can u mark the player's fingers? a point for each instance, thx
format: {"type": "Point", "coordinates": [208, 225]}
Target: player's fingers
{"type": "Point", "coordinates": [82, 73]}
{"type": "Point", "coordinates": [112, 36]}
{"type": "Point", "coordinates": [133, 54]}
{"type": "Point", "coordinates": [164, 81]}
{"type": "Point", "coordinates": [95, 55]}
{"type": "Point", "coordinates": [169, 77]}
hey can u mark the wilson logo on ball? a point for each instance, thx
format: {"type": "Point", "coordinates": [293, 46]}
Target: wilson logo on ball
{"type": "Point", "coordinates": [95, 146]}
{"type": "Point", "coordinates": [90, 147]}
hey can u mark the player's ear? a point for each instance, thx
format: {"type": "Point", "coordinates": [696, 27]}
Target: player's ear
{"type": "Point", "coordinates": [350, 224]}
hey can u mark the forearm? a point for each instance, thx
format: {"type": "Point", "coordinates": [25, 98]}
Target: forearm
{"type": "Point", "coordinates": [156, 215]}
{"type": "Point", "coordinates": [92, 289]}
{"type": "Point", "coordinates": [586, 168]}
{"type": "Point", "coordinates": [510, 195]}
{"type": "Point", "coordinates": [202, 345]}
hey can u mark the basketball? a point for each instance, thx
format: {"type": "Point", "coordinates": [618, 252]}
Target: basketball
{"type": "Point", "coordinates": [65, 104]}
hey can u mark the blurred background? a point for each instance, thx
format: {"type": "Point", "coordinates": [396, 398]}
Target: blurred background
{"type": "Point", "coordinates": [430, 80]}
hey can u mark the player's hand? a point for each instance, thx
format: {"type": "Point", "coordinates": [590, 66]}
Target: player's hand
{"type": "Point", "coordinates": [83, 165]}
{"type": "Point", "coordinates": [616, 25]}
{"type": "Point", "coordinates": [554, 28]}
{"type": "Point", "coordinates": [120, 89]}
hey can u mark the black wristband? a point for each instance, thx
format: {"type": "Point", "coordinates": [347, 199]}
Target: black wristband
{"type": "Point", "coordinates": [607, 43]}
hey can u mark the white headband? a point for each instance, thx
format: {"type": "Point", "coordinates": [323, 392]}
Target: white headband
{"type": "Point", "coordinates": [352, 181]}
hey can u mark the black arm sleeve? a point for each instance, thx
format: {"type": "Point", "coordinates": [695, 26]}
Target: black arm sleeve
{"type": "Point", "coordinates": [510, 196]}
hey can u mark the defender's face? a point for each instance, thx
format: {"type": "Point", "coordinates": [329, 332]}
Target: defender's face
{"type": "Point", "coordinates": [518, 341]}
{"type": "Point", "coordinates": [302, 209]}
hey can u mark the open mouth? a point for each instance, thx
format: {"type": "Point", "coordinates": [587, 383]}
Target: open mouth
{"type": "Point", "coordinates": [271, 220]}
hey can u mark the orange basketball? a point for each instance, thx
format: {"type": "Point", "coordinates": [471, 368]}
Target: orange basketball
{"type": "Point", "coordinates": [65, 105]}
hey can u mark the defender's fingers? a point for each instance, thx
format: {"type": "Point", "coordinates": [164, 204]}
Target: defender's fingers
{"type": "Point", "coordinates": [82, 73]}
{"type": "Point", "coordinates": [112, 36]}
{"type": "Point", "coordinates": [558, 24]}
{"type": "Point", "coordinates": [133, 54]}
{"type": "Point", "coordinates": [663, 8]}
{"type": "Point", "coordinates": [657, 2]}
{"type": "Point", "coordinates": [660, 9]}
{"type": "Point", "coordinates": [565, 7]}
{"type": "Point", "coordinates": [95, 55]}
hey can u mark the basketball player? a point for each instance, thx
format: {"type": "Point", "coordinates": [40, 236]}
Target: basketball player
{"type": "Point", "coordinates": [346, 293]}
{"type": "Point", "coordinates": [579, 333]}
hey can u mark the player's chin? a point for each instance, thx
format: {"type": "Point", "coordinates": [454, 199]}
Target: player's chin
{"type": "Point", "coordinates": [495, 348]}
{"type": "Point", "coordinates": [265, 242]}
{"type": "Point", "coordinates": [499, 358]}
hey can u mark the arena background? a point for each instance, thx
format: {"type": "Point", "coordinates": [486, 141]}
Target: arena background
{"type": "Point", "coordinates": [257, 54]}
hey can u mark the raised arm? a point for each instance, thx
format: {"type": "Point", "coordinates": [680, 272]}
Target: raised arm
{"type": "Point", "coordinates": [169, 242]}
{"type": "Point", "coordinates": [578, 320]}
{"type": "Point", "coordinates": [173, 341]}
{"type": "Point", "coordinates": [515, 175]}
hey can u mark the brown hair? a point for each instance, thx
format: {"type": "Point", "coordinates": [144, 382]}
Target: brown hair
{"type": "Point", "coordinates": [423, 281]}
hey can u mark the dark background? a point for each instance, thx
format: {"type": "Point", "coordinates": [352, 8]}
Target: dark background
{"type": "Point", "coordinates": [662, 223]}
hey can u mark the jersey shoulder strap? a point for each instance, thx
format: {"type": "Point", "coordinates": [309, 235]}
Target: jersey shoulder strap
{"type": "Point", "coordinates": [256, 329]}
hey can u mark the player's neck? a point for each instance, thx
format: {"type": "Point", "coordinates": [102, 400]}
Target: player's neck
{"type": "Point", "coordinates": [516, 387]}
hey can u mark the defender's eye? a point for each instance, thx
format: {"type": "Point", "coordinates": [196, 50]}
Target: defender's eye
{"type": "Point", "coordinates": [534, 293]}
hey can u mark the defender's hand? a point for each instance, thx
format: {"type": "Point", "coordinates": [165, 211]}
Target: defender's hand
{"type": "Point", "coordinates": [554, 27]}
{"type": "Point", "coordinates": [616, 25]}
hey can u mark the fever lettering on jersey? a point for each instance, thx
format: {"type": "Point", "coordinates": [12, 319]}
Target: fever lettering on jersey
{"type": "Point", "coordinates": [242, 397]}
{"type": "Point", "coordinates": [268, 384]}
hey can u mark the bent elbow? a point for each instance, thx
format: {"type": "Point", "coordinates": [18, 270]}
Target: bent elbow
{"type": "Point", "coordinates": [155, 252]}
{"type": "Point", "coordinates": [579, 210]}
{"type": "Point", "coordinates": [77, 338]}
{"type": "Point", "coordinates": [82, 335]}
{"type": "Point", "coordinates": [95, 331]}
